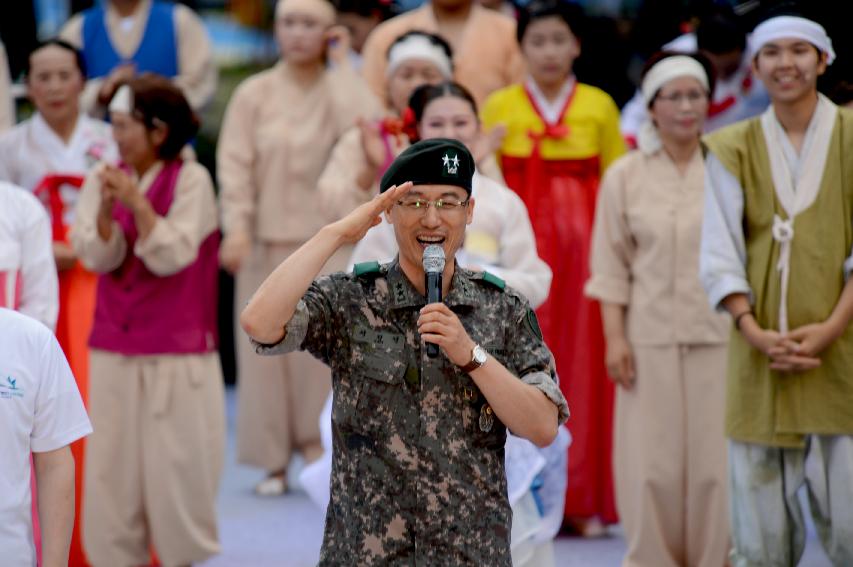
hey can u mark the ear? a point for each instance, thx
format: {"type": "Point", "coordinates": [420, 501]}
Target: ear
{"type": "Point", "coordinates": [387, 214]}
{"type": "Point", "coordinates": [754, 64]}
{"type": "Point", "coordinates": [821, 63]}
{"type": "Point", "coordinates": [159, 133]}
{"type": "Point", "coordinates": [470, 213]}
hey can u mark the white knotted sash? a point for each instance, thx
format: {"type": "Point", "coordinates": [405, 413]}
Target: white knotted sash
{"type": "Point", "coordinates": [797, 195]}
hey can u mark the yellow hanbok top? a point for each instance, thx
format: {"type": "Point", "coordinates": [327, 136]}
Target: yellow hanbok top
{"type": "Point", "coordinates": [591, 121]}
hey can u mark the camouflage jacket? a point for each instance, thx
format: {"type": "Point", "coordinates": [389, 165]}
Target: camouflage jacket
{"type": "Point", "coordinates": [418, 455]}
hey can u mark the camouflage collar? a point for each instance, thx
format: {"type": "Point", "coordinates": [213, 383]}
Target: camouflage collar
{"type": "Point", "coordinates": [403, 294]}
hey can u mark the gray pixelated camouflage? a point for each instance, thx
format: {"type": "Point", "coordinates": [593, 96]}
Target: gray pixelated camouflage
{"type": "Point", "coordinates": [415, 479]}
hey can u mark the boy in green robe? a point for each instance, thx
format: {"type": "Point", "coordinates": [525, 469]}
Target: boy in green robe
{"type": "Point", "coordinates": [776, 254]}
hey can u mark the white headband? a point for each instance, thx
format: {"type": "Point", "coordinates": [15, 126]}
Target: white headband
{"type": "Point", "coordinates": [419, 47]}
{"type": "Point", "coordinates": [122, 101]}
{"type": "Point", "coordinates": [791, 27]}
{"type": "Point", "coordinates": [668, 69]}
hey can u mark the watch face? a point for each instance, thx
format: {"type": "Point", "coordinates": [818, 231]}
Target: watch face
{"type": "Point", "coordinates": [480, 355]}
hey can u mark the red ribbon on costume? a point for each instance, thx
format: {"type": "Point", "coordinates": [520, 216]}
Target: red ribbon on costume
{"type": "Point", "coordinates": [552, 131]}
{"type": "Point", "coordinates": [389, 127]}
{"type": "Point", "coordinates": [716, 108]}
{"type": "Point", "coordinates": [48, 190]}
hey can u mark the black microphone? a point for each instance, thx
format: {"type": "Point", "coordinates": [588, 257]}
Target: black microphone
{"type": "Point", "coordinates": [433, 268]}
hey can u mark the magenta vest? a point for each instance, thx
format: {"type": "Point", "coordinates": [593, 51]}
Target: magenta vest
{"type": "Point", "coordinates": [140, 313]}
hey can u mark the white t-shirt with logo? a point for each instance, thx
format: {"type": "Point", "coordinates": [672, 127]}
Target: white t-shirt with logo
{"type": "Point", "coordinates": [40, 410]}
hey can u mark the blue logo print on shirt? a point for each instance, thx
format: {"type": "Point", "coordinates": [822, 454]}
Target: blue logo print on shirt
{"type": "Point", "coordinates": [10, 389]}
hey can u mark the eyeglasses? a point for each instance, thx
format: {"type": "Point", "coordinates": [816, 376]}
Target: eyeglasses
{"type": "Point", "coordinates": [693, 97]}
{"type": "Point", "coordinates": [442, 206]}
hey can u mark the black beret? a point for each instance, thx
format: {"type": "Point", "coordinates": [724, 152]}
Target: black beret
{"type": "Point", "coordinates": [437, 161]}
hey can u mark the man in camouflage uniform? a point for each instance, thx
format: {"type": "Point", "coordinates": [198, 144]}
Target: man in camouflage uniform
{"type": "Point", "coordinates": [418, 451]}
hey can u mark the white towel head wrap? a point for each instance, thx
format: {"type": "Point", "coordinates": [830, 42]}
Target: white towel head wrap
{"type": "Point", "coordinates": [791, 27]}
{"type": "Point", "coordinates": [419, 47]}
{"type": "Point", "coordinates": [668, 69]}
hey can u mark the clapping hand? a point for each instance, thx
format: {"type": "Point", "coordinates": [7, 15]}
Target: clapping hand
{"type": "Point", "coordinates": [118, 185]}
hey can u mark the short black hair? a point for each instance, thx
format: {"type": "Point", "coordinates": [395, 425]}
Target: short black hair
{"type": "Point", "coordinates": [569, 12]}
{"type": "Point", "coordinates": [431, 37]}
{"type": "Point", "coordinates": [425, 94]}
{"type": "Point", "coordinates": [842, 93]}
{"type": "Point", "coordinates": [157, 99]}
{"type": "Point", "coordinates": [661, 55]}
{"type": "Point", "coordinates": [720, 31]}
{"type": "Point", "coordinates": [365, 8]}
{"type": "Point", "coordinates": [61, 43]}
{"type": "Point", "coordinates": [783, 8]}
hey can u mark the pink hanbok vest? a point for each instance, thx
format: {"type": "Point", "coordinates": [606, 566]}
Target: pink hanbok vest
{"type": "Point", "coordinates": [141, 313]}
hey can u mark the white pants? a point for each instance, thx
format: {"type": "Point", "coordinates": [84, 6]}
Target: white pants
{"type": "Point", "coordinates": [768, 529]}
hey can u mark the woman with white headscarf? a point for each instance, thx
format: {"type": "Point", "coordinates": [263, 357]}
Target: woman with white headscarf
{"type": "Point", "coordinates": [666, 348]}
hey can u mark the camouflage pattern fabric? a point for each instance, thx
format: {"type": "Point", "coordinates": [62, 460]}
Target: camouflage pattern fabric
{"type": "Point", "coordinates": [418, 455]}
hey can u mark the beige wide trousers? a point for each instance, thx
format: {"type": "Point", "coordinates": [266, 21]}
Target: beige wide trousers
{"type": "Point", "coordinates": [279, 397]}
{"type": "Point", "coordinates": [670, 458]}
{"type": "Point", "coordinates": [154, 460]}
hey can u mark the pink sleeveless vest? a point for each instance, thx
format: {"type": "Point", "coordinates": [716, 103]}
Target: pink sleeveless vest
{"type": "Point", "coordinates": [140, 313]}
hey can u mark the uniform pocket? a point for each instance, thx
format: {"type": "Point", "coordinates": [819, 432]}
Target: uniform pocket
{"type": "Point", "coordinates": [375, 385]}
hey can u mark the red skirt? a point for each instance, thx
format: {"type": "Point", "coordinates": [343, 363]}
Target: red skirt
{"type": "Point", "coordinates": [560, 198]}
{"type": "Point", "coordinates": [77, 288]}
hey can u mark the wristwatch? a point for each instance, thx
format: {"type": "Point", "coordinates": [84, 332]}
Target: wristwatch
{"type": "Point", "coordinates": [478, 359]}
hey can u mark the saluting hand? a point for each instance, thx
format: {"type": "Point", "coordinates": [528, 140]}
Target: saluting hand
{"type": "Point", "coordinates": [439, 325]}
{"type": "Point", "coordinates": [355, 225]}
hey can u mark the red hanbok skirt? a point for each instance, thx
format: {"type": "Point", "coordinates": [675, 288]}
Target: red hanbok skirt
{"type": "Point", "coordinates": [560, 198]}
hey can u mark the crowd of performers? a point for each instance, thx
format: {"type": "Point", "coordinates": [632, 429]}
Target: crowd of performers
{"type": "Point", "coordinates": [112, 234]}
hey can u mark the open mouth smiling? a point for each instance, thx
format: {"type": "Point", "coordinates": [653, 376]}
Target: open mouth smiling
{"type": "Point", "coordinates": [426, 240]}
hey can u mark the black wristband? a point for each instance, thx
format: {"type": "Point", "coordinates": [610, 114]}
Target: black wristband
{"type": "Point", "coordinates": [741, 316]}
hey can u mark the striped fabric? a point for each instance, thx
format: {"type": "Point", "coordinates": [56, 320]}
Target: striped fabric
{"type": "Point", "coordinates": [10, 289]}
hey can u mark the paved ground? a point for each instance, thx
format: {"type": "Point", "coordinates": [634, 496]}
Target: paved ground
{"type": "Point", "coordinates": [287, 531]}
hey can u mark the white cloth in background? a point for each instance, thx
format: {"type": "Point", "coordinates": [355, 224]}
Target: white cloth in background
{"type": "Point", "coordinates": [28, 279]}
{"type": "Point", "coordinates": [40, 411]}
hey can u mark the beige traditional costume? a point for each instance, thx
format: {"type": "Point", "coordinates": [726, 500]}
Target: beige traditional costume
{"type": "Point", "coordinates": [276, 137]}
